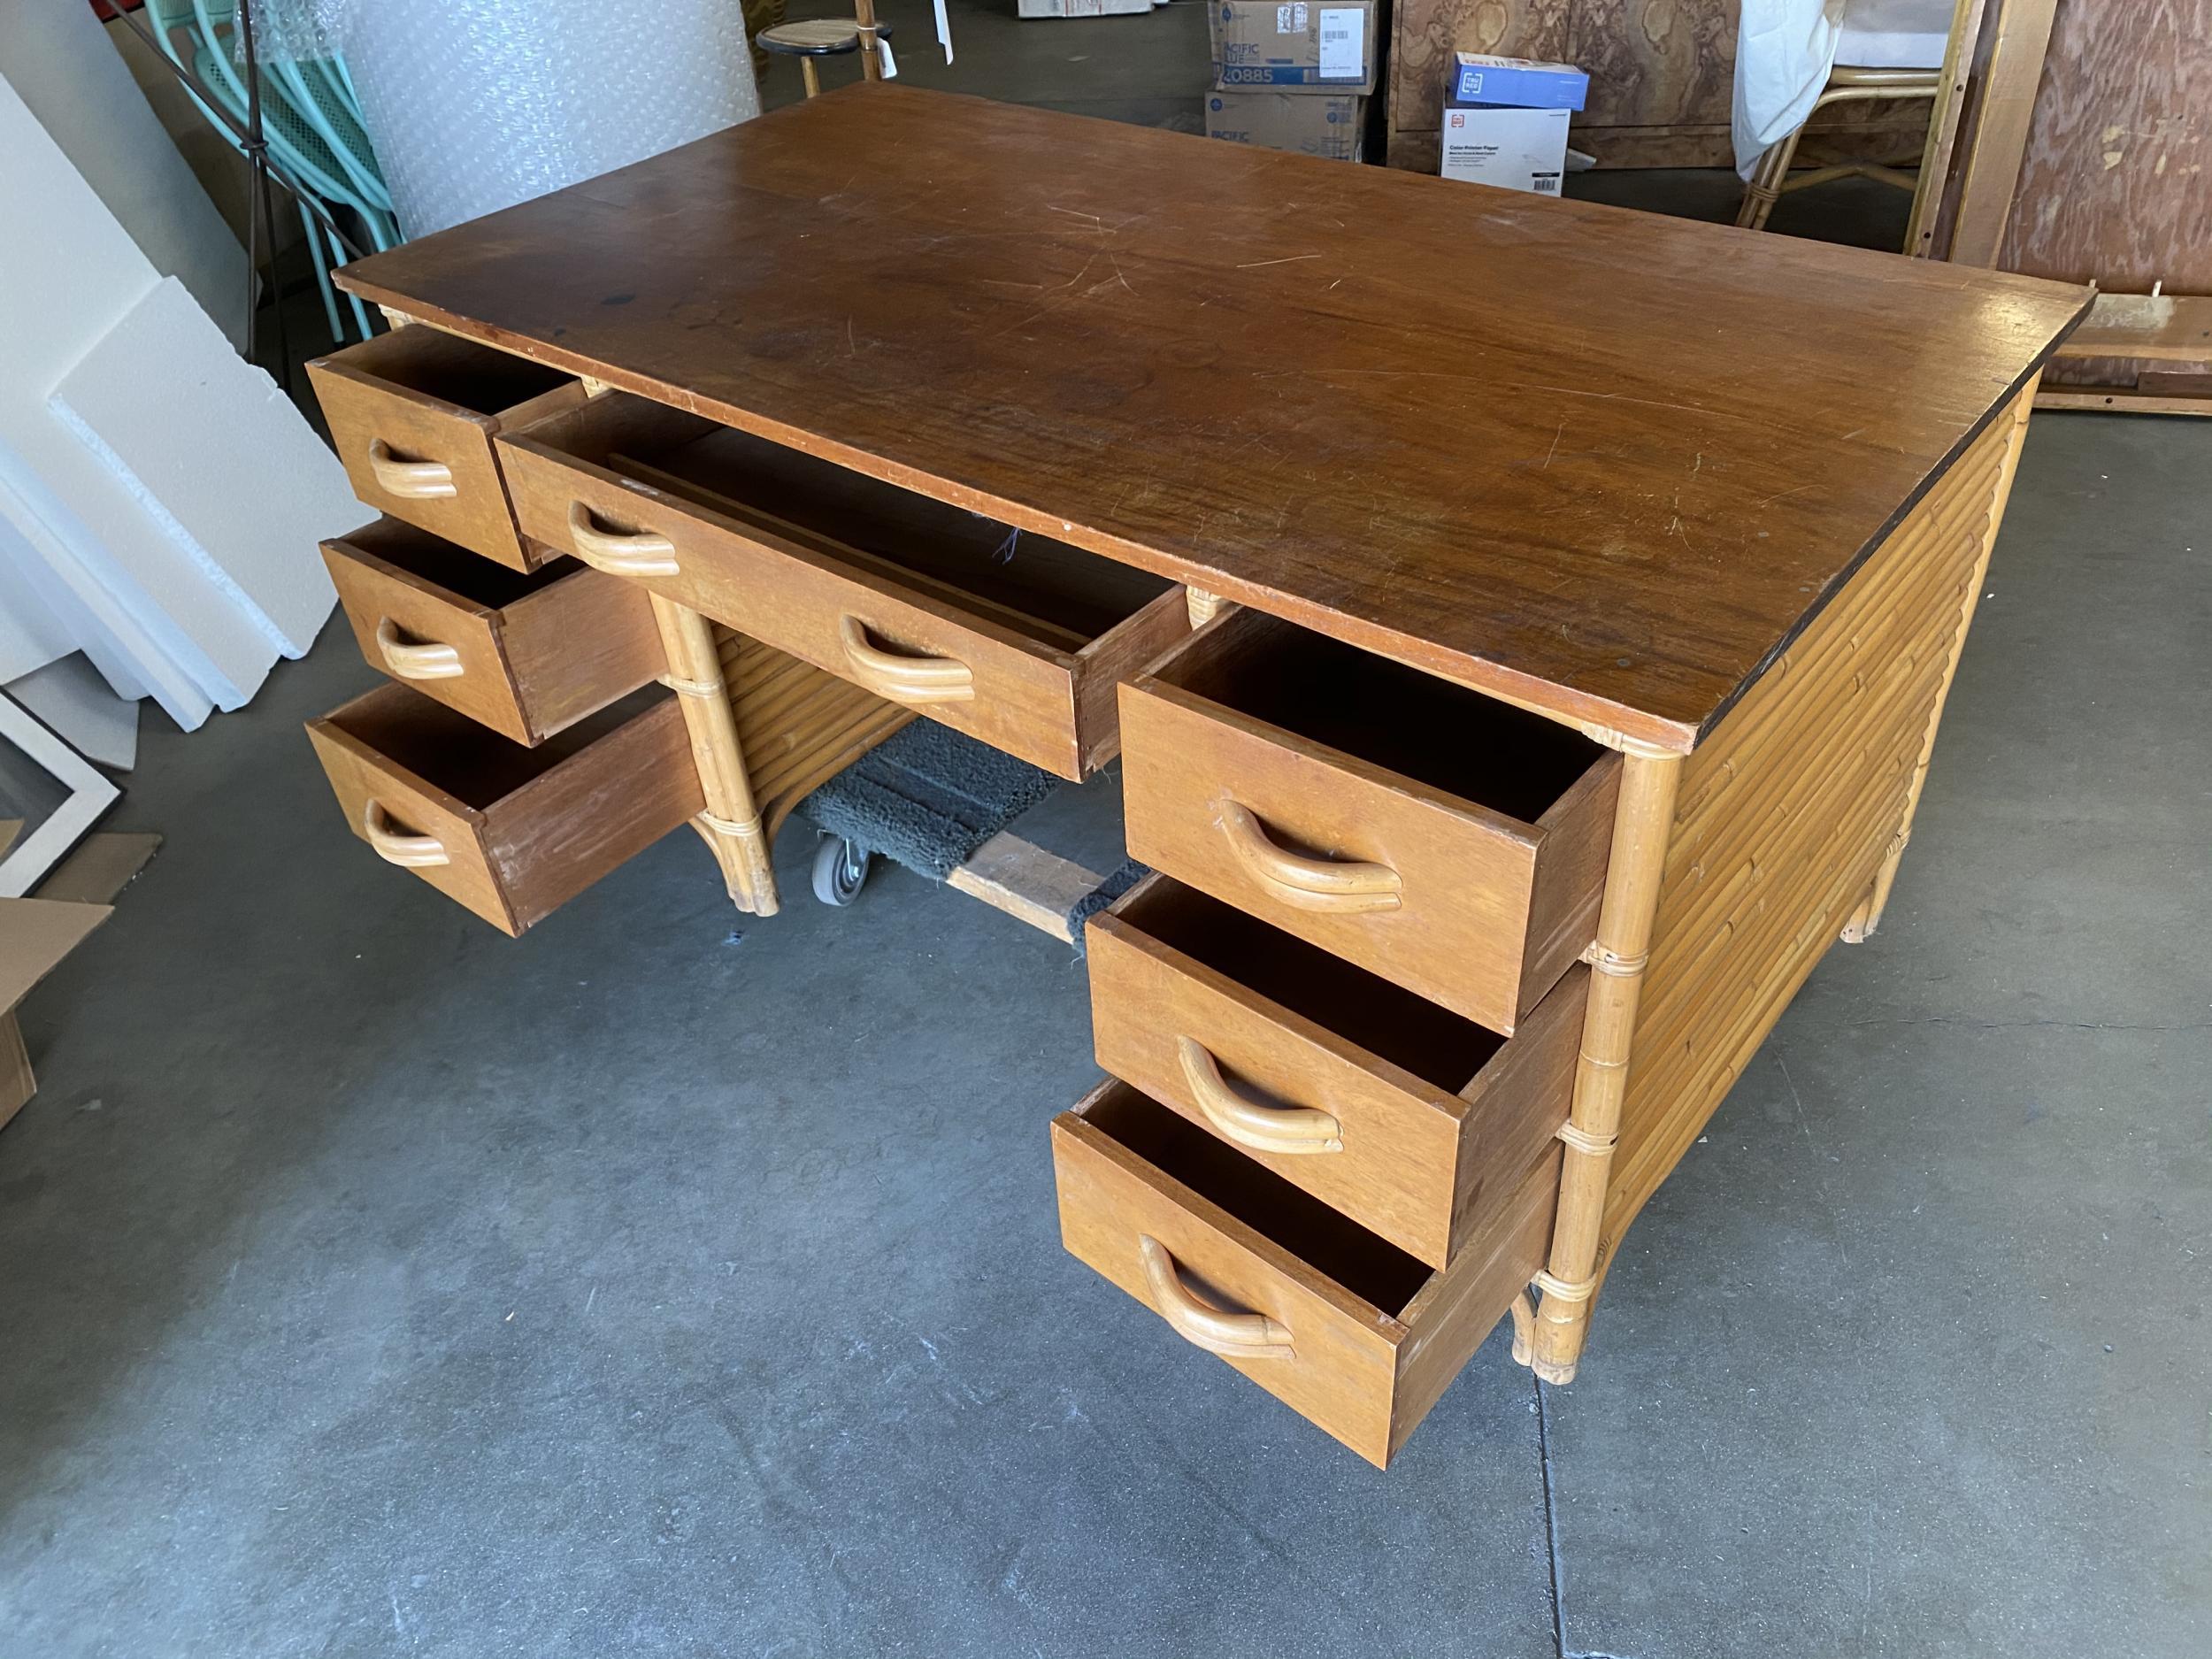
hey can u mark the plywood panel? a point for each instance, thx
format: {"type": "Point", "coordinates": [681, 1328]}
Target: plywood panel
{"type": "Point", "coordinates": [2113, 186]}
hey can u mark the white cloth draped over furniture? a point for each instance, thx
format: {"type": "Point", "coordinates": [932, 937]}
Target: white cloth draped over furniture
{"type": "Point", "coordinates": [1786, 49]}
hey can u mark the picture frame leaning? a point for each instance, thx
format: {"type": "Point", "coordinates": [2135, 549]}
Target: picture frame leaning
{"type": "Point", "coordinates": [29, 751]}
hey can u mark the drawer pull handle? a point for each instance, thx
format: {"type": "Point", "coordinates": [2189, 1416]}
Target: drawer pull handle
{"type": "Point", "coordinates": [619, 553]}
{"type": "Point", "coordinates": [396, 847]}
{"type": "Point", "coordinates": [411, 480]}
{"type": "Point", "coordinates": [905, 678]}
{"type": "Point", "coordinates": [1311, 884]}
{"type": "Point", "coordinates": [1262, 1128]}
{"type": "Point", "coordinates": [411, 661]}
{"type": "Point", "coordinates": [1231, 1335]}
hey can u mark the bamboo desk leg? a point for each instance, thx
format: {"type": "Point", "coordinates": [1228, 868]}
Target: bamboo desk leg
{"type": "Point", "coordinates": [731, 825]}
{"type": "Point", "coordinates": [1643, 820]}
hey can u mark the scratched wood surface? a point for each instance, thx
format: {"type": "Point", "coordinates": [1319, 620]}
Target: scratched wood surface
{"type": "Point", "coordinates": [1603, 463]}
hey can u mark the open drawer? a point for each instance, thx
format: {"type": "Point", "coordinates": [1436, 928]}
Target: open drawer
{"type": "Point", "coordinates": [1437, 837]}
{"type": "Point", "coordinates": [413, 413]}
{"type": "Point", "coordinates": [524, 652]}
{"type": "Point", "coordinates": [1017, 639]}
{"type": "Point", "coordinates": [1340, 1326]}
{"type": "Point", "coordinates": [1409, 1118]}
{"type": "Point", "coordinates": [511, 832]}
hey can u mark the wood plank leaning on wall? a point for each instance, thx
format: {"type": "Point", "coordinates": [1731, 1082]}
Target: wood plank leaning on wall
{"type": "Point", "coordinates": [2084, 159]}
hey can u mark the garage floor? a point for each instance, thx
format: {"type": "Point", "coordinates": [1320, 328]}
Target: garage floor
{"type": "Point", "coordinates": [677, 1283]}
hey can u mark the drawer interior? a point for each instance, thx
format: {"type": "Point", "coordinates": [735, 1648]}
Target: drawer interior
{"type": "Point", "coordinates": [437, 562]}
{"type": "Point", "coordinates": [1060, 595]}
{"type": "Point", "coordinates": [453, 371]}
{"type": "Point", "coordinates": [1385, 713]}
{"type": "Point", "coordinates": [1375, 1271]}
{"type": "Point", "coordinates": [453, 754]}
{"type": "Point", "coordinates": [1429, 1041]}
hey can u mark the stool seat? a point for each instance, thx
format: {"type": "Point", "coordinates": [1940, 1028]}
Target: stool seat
{"type": "Point", "coordinates": [815, 37]}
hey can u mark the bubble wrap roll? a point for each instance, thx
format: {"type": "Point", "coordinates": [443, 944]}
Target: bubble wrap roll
{"type": "Point", "coordinates": [475, 105]}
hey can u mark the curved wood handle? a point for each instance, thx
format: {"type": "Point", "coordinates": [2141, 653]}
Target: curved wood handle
{"type": "Point", "coordinates": [905, 678]}
{"type": "Point", "coordinates": [411, 480]}
{"type": "Point", "coordinates": [1263, 1128]}
{"type": "Point", "coordinates": [619, 553]}
{"type": "Point", "coordinates": [396, 847]}
{"type": "Point", "coordinates": [1232, 1335]}
{"type": "Point", "coordinates": [1311, 884]}
{"type": "Point", "coordinates": [427, 661]}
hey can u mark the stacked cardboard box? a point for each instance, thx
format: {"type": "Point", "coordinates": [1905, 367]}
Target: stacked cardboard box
{"type": "Point", "coordinates": [1083, 7]}
{"type": "Point", "coordinates": [1505, 120]}
{"type": "Point", "coordinates": [1292, 76]}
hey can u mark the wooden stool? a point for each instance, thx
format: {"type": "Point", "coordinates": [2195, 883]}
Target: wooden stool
{"type": "Point", "coordinates": [821, 37]}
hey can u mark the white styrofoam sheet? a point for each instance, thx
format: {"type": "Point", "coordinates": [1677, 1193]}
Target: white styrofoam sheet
{"type": "Point", "coordinates": [69, 695]}
{"type": "Point", "coordinates": [70, 274]}
{"type": "Point", "coordinates": [26, 569]}
{"type": "Point", "coordinates": [132, 660]}
{"type": "Point", "coordinates": [215, 452]}
{"type": "Point", "coordinates": [31, 635]}
{"type": "Point", "coordinates": [60, 59]}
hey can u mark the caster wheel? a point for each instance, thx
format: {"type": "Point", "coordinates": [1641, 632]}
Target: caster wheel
{"type": "Point", "coordinates": [841, 869]}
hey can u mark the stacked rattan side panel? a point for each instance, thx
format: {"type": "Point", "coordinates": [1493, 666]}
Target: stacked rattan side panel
{"type": "Point", "coordinates": [1786, 813]}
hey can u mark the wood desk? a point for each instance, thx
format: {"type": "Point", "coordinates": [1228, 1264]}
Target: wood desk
{"type": "Point", "coordinates": [1594, 582]}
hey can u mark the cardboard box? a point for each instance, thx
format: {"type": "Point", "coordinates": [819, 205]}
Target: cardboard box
{"type": "Point", "coordinates": [1519, 150]}
{"type": "Point", "coordinates": [1081, 8]}
{"type": "Point", "coordinates": [1520, 83]}
{"type": "Point", "coordinates": [35, 935]}
{"type": "Point", "coordinates": [1318, 44]}
{"type": "Point", "coordinates": [1328, 124]}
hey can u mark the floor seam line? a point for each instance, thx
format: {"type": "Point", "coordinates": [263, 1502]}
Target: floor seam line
{"type": "Point", "coordinates": [1551, 1518]}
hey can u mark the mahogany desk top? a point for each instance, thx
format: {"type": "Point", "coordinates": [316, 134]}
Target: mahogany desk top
{"type": "Point", "coordinates": [1597, 462]}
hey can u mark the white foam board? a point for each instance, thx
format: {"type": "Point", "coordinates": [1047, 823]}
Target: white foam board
{"type": "Point", "coordinates": [31, 635]}
{"type": "Point", "coordinates": [133, 662]}
{"type": "Point", "coordinates": [78, 85]}
{"type": "Point", "coordinates": [70, 275]}
{"type": "Point", "coordinates": [214, 450]}
{"type": "Point", "coordinates": [70, 697]}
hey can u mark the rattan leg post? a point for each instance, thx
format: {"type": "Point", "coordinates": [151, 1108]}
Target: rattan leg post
{"type": "Point", "coordinates": [1643, 821]}
{"type": "Point", "coordinates": [871, 53]}
{"type": "Point", "coordinates": [1763, 188]}
{"type": "Point", "coordinates": [731, 825]}
{"type": "Point", "coordinates": [1868, 915]}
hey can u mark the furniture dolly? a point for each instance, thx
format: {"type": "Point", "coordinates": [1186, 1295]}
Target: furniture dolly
{"type": "Point", "coordinates": [1523, 627]}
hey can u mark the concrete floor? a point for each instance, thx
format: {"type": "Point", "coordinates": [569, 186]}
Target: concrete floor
{"type": "Point", "coordinates": [672, 1283]}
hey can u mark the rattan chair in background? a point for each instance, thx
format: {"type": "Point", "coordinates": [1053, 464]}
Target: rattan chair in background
{"type": "Point", "coordinates": [1884, 49]}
